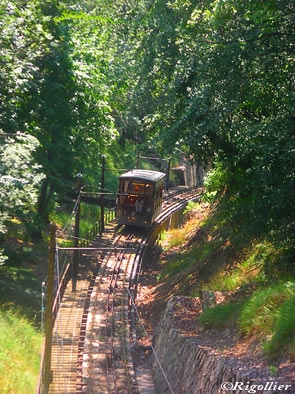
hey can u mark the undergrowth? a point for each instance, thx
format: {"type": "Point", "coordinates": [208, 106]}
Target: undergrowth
{"type": "Point", "coordinates": [20, 311]}
{"type": "Point", "coordinates": [217, 256]}
{"type": "Point", "coordinates": [270, 314]}
{"type": "Point", "coordinates": [222, 315]}
{"type": "Point", "coordinates": [20, 354]}
{"type": "Point", "coordinates": [89, 215]}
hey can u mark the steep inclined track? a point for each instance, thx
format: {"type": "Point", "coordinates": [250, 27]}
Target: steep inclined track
{"type": "Point", "coordinates": [91, 347]}
{"type": "Point", "coordinates": [106, 367]}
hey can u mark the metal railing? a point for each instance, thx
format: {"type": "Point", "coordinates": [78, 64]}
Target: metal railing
{"type": "Point", "coordinates": [65, 274]}
{"type": "Point", "coordinates": [97, 228]}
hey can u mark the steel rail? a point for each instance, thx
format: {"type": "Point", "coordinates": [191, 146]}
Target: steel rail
{"type": "Point", "coordinates": [106, 307]}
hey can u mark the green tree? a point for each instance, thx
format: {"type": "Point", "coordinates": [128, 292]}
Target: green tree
{"type": "Point", "coordinates": [20, 179]}
{"type": "Point", "coordinates": [216, 79]}
{"type": "Point", "coordinates": [37, 88]}
{"type": "Point", "coordinates": [53, 109]}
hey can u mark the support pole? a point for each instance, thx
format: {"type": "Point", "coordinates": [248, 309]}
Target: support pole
{"type": "Point", "coordinates": [48, 311]}
{"type": "Point", "coordinates": [168, 175]}
{"type": "Point", "coordinates": [76, 236]}
{"type": "Point", "coordinates": [102, 194]}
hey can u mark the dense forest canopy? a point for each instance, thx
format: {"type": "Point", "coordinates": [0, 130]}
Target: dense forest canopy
{"type": "Point", "coordinates": [211, 79]}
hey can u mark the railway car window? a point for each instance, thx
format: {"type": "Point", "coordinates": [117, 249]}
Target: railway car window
{"type": "Point", "coordinates": [148, 188]}
{"type": "Point", "coordinates": [137, 188]}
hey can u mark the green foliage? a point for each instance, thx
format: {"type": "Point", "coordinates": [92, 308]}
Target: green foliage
{"type": "Point", "coordinates": [54, 86]}
{"type": "Point", "coordinates": [90, 214]}
{"type": "Point", "coordinates": [211, 80]}
{"type": "Point", "coordinates": [20, 354]}
{"type": "Point", "coordinates": [215, 182]}
{"type": "Point", "coordinates": [251, 204]}
{"type": "Point", "coordinates": [251, 270]}
{"type": "Point", "coordinates": [191, 207]}
{"type": "Point", "coordinates": [214, 79]}
{"type": "Point", "coordinates": [263, 308]}
{"type": "Point", "coordinates": [175, 237]}
{"type": "Point", "coordinates": [178, 265]}
{"type": "Point", "coordinates": [280, 264]}
{"type": "Point", "coordinates": [20, 179]}
{"type": "Point", "coordinates": [35, 89]}
{"type": "Point", "coordinates": [283, 339]}
{"type": "Point", "coordinates": [221, 316]}
{"type": "Point", "coordinates": [19, 285]}
{"type": "Point", "coordinates": [269, 313]}
{"type": "Point", "coordinates": [258, 274]}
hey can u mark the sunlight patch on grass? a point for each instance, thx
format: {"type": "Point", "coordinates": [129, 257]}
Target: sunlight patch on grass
{"type": "Point", "coordinates": [20, 352]}
{"type": "Point", "coordinates": [173, 238]}
{"type": "Point", "coordinates": [242, 273]}
{"type": "Point", "coordinates": [270, 315]}
{"type": "Point", "coordinates": [262, 309]}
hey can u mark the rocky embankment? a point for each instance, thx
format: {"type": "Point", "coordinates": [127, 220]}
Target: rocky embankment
{"type": "Point", "coordinates": [195, 363]}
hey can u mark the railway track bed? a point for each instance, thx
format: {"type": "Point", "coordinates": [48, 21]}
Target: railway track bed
{"type": "Point", "coordinates": [92, 335]}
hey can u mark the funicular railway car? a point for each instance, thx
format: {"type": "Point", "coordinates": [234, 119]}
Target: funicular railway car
{"type": "Point", "coordinates": [140, 197]}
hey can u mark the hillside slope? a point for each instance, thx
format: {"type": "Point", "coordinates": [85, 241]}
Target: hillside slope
{"type": "Point", "coordinates": [250, 314]}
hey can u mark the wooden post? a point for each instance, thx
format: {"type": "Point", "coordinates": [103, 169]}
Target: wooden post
{"type": "Point", "coordinates": [48, 310]}
{"type": "Point", "coordinates": [76, 236]}
{"type": "Point", "coordinates": [168, 175]}
{"type": "Point", "coordinates": [102, 194]}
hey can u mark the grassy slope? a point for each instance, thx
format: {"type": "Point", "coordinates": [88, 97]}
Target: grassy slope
{"type": "Point", "coordinates": [208, 253]}
{"type": "Point", "coordinates": [20, 312]}
{"type": "Point", "coordinates": [20, 346]}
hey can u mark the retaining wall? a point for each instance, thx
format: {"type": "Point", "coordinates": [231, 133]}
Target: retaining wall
{"type": "Point", "coordinates": [190, 368]}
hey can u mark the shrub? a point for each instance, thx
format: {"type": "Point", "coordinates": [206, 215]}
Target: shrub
{"type": "Point", "coordinates": [222, 315]}
{"type": "Point", "coordinates": [283, 339]}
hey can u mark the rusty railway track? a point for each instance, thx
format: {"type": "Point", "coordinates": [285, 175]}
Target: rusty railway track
{"type": "Point", "coordinates": [91, 348]}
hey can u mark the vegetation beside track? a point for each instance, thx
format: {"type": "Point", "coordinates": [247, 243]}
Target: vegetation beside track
{"type": "Point", "coordinates": [208, 252]}
{"type": "Point", "coordinates": [21, 338]}
{"type": "Point", "coordinates": [211, 252]}
{"type": "Point", "coordinates": [21, 345]}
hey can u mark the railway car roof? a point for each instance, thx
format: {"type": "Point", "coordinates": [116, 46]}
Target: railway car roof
{"type": "Point", "coordinates": [147, 175]}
